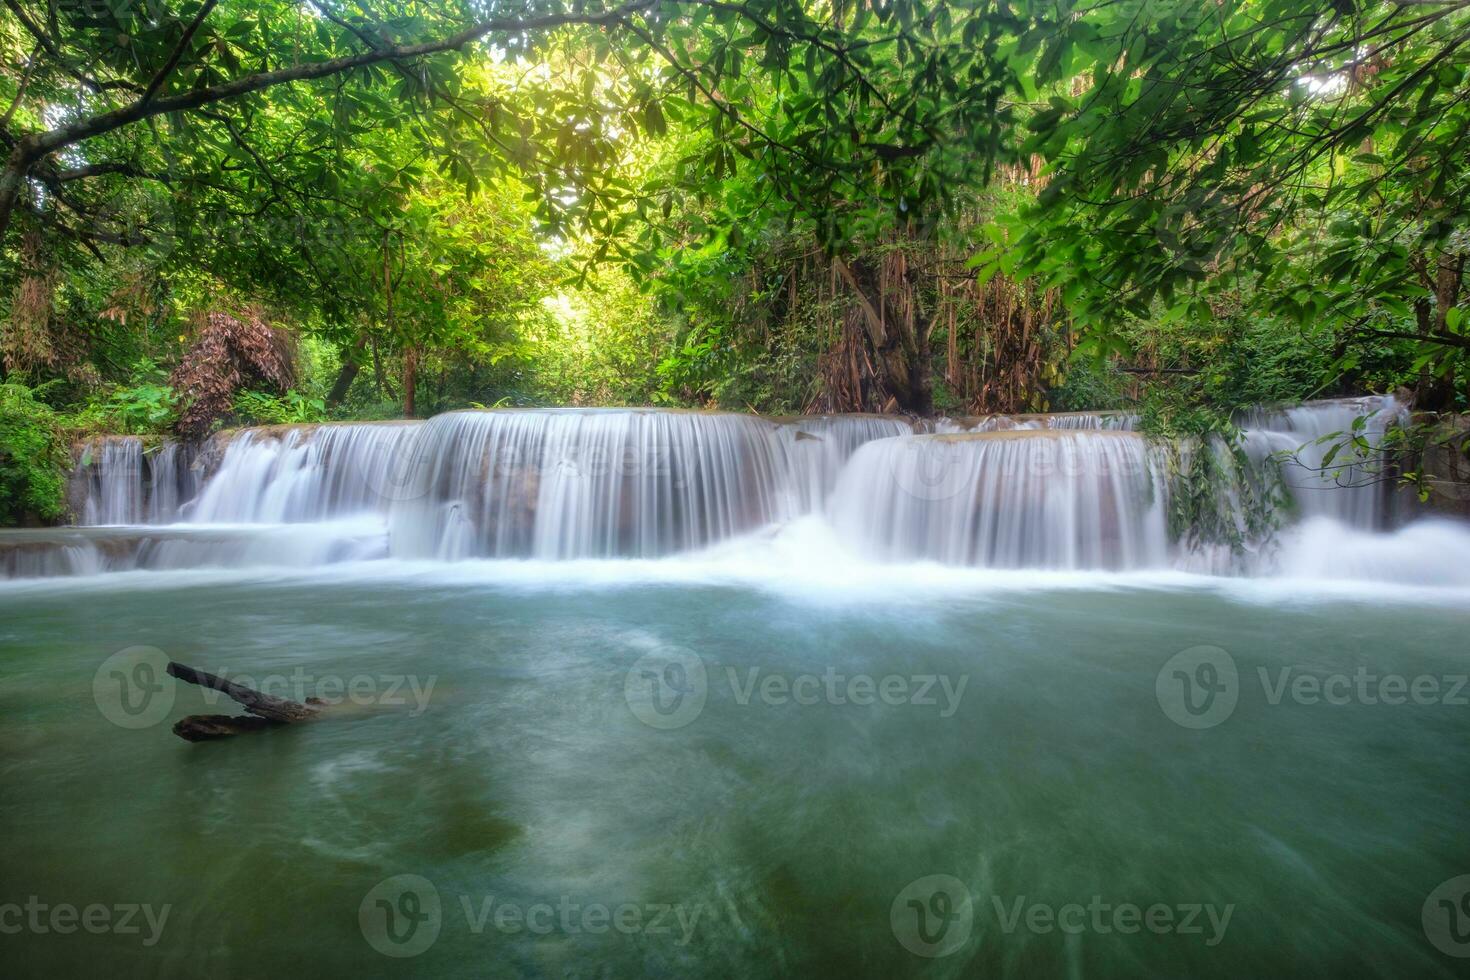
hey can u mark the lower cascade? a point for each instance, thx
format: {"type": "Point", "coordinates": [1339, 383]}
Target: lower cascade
{"type": "Point", "coordinates": [1071, 491]}
{"type": "Point", "coordinates": [1007, 499]}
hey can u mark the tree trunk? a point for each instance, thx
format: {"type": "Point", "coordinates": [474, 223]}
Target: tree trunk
{"type": "Point", "coordinates": [898, 339]}
{"type": "Point", "coordinates": [410, 380]}
{"type": "Point", "coordinates": [1437, 393]}
{"type": "Point", "coordinates": [347, 374]}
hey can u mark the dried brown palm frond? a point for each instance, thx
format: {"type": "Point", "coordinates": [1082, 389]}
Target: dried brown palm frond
{"type": "Point", "coordinates": [26, 341]}
{"type": "Point", "coordinates": [230, 352]}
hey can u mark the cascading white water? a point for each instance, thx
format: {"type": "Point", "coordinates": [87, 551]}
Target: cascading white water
{"type": "Point", "coordinates": [122, 483]}
{"type": "Point", "coordinates": [170, 483]}
{"type": "Point", "coordinates": [307, 474]}
{"type": "Point", "coordinates": [1347, 488]}
{"type": "Point", "coordinates": [820, 446]}
{"type": "Point", "coordinates": [1122, 421]}
{"type": "Point", "coordinates": [115, 481]}
{"type": "Point", "coordinates": [1010, 499]}
{"type": "Point", "coordinates": [1064, 491]}
{"type": "Point", "coordinates": [556, 483]}
{"type": "Point", "coordinates": [571, 483]}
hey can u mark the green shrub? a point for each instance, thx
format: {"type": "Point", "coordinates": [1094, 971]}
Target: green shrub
{"type": "Point", "coordinates": [33, 459]}
{"type": "Point", "coordinates": [292, 408]}
{"type": "Point", "coordinates": [142, 409]}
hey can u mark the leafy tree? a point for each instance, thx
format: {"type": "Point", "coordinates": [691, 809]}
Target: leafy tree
{"type": "Point", "coordinates": [1307, 159]}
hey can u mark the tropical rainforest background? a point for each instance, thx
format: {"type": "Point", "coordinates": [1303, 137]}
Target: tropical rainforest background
{"type": "Point", "coordinates": [219, 212]}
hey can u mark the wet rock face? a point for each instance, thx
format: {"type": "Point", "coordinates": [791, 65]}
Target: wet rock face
{"type": "Point", "coordinates": [1447, 468]}
{"type": "Point", "coordinates": [129, 480]}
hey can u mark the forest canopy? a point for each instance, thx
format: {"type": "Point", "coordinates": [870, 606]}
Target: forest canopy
{"type": "Point", "coordinates": [771, 205]}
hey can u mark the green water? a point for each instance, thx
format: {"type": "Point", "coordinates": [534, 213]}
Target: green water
{"type": "Point", "coordinates": [763, 838]}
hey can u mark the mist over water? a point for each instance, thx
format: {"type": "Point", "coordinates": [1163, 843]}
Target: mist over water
{"type": "Point", "coordinates": [1067, 492]}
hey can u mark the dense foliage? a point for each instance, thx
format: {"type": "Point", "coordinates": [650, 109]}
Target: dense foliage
{"type": "Point", "coordinates": [771, 205]}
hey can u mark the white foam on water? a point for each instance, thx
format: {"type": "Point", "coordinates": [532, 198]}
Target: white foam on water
{"type": "Point", "coordinates": [823, 507]}
{"type": "Point", "coordinates": [1425, 553]}
{"type": "Point", "coordinates": [805, 562]}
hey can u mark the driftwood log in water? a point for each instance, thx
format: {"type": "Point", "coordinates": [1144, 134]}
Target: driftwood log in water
{"type": "Point", "coordinates": [266, 711]}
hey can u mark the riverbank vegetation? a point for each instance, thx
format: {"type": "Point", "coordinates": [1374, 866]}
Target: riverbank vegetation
{"type": "Point", "coordinates": [217, 212]}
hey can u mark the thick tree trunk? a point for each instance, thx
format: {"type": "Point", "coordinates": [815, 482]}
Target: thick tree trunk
{"type": "Point", "coordinates": [347, 374]}
{"type": "Point", "coordinates": [898, 340]}
{"type": "Point", "coordinates": [1437, 393]}
{"type": "Point", "coordinates": [410, 380]}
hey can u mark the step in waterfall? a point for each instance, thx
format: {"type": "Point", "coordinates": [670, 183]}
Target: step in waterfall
{"type": "Point", "coordinates": [1065, 491]}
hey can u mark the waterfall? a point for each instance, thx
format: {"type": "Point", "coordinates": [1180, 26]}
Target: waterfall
{"type": "Point", "coordinates": [573, 483]}
{"type": "Point", "coordinates": [115, 481]}
{"type": "Point", "coordinates": [122, 483]}
{"type": "Point", "coordinates": [309, 473]}
{"type": "Point", "coordinates": [170, 483]}
{"type": "Point", "coordinates": [1007, 499]}
{"type": "Point", "coordinates": [1076, 490]}
{"type": "Point", "coordinates": [1349, 488]}
{"type": "Point", "coordinates": [820, 446]}
{"type": "Point", "coordinates": [1124, 421]}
